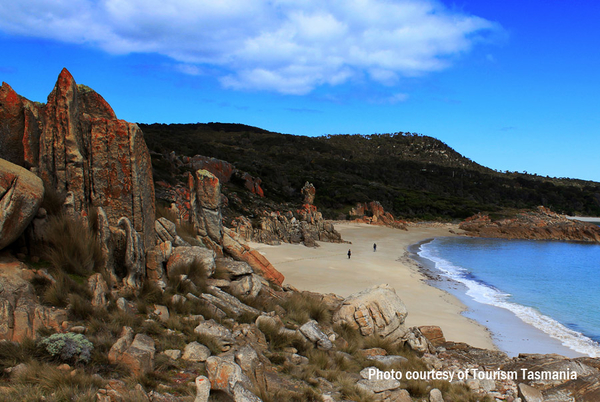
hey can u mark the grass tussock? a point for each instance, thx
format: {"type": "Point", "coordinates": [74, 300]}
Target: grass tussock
{"type": "Point", "coordinates": [53, 201]}
{"type": "Point", "coordinates": [277, 338]}
{"type": "Point", "coordinates": [72, 247]}
{"type": "Point", "coordinates": [302, 307]}
{"type": "Point", "coordinates": [181, 279]}
{"type": "Point", "coordinates": [63, 385]}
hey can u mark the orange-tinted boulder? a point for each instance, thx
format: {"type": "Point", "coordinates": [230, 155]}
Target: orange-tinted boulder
{"type": "Point", "coordinates": [21, 193]}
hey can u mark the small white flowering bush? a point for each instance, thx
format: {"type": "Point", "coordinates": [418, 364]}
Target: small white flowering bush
{"type": "Point", "coordinates": [69, 346]}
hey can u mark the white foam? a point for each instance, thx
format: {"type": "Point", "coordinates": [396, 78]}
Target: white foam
{"type": "Point", "coordinates": [485, 294]}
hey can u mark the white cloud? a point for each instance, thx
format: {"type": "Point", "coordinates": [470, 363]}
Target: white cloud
{"type": "Point", "coordinates": [288, 46]}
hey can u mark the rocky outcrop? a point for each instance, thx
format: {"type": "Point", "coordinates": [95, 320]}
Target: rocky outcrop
{"type": "Point", "coordinates": [541, 224]}
{"type": "Point", "coordinates": [223, 170]}
{"type": "Point", "coordinates": [77, 145]}
{"type": "Point", "coordinates": [309, 192]}
{"type": "Point", "coordinates": [374, 311]}
{"type": "Point", "coordinates": [374, 214]}
{"type": "Point", "coordinates": [305, 225]}
{"type": "Point", "coordinates": [20, 314]}
{"type": "Point", "coordinates": [21, 193]}
{"type": "Point", "coordinates": [257, 261]}
{"type": "Point", "coordinates": [205, 201]}
{"type": "Point", "coordinates": [137, 352]}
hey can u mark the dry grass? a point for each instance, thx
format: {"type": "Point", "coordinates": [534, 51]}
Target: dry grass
{"type": "Point", "coordinates": [302, 307]}
{"type": "Point", "coordinates": [194, 272]}
{"type": "Point", "coordinates": [64, 386]}
{"type": "Point", "coordinates": [72, 247]}
{"type": "Point", "coordinates": [53, 201]}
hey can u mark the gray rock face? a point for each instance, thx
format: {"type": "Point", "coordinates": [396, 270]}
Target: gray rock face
{"type": "Point", "coordinates": [228, 302]}
{"type": "Point", "coordinates": [135, 255]}
{"type": "Point", "coordinates": [195, 352]}
{"type": "Point", "coordinates": [136, 353]}
{"type": "Point", "coordinates": [232, 267]}
{"type": "Point", "coordinates": [213, 329]}
{"type": "Point", "coordinates": [21, 193]}
{"type": "Point", "coordinates": [205, 200]}
{"type": "Point", "coordinates": [313, 333]}
{"type": "Point", "coordinates": [246, 286]}
{"type": "Point", "coordinates": [377, 310]}
{"type": "Point", "coordinates": [99, 289]}
{"type": "Point", "coordinates": [224, 374]}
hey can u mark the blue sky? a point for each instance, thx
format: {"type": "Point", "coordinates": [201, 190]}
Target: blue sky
{"type": "Point", "coordinates": [513, 85]}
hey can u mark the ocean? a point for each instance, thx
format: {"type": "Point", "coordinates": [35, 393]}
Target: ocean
{"type": "Point", "coordinates": [549, 285]}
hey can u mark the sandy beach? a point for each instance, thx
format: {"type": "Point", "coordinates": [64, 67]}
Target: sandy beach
{"type": "Point", "coordinates": [327, 269]}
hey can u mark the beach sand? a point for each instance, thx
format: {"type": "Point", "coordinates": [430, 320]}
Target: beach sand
{"type": "Point", "coordinates": [327, 269]}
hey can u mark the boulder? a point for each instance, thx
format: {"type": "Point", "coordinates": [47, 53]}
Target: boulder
{"type": "Point", "coordinates": [21, 193]}
{"type": "Point", "coordinates": [227, 302]}
{"type": "Point", "coordinates": [202, 389]}
{"type": "Point", "coordinates": [232, 267]}
{"type": "Point", "coordinates": [417, 341]}
{"type": "Point", "coordinates": [374, 311]}
{"type": "Point", "coordinates": [185, 256]}
{"type": "Point", "coordinates": [195, 352]}
{"type": "Point", "coordinates": [374, 385]}
{"type": "Point", "coordinates": [137, 352]}
{"type": "Point", "coordinates": [214, 330]}
{"type": "Point", "coordinates": [224, 374]}
{"type": "Point", "coordinates": [435, 395]}
{"type": "Point", "coordinates": [434, 334]}
{"type": "Point", "coordinates": [20, 314]}
{"type": "Point", "coordinates": [313, 333]}
{"type": "Point", "coordinates": [246, 286]}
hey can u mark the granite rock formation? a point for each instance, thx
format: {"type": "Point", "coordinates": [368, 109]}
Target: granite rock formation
{"type": "Point", "coordinates": [21, 193]}
{"type": "Point", "coordinates": [373, 213]}
{"type": "Point", "coordinates": [76, 144]}
{"type": "Point", "coordinates": [306, 225]}
{"type": "Point", "coordinates": [541, 224]}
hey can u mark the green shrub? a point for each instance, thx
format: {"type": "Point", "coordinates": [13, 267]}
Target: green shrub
{"type": "Point", "coordinates": [68, 347]}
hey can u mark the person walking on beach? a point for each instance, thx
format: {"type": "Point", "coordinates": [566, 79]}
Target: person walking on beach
{"type": "Point", "coordinates": [374, 247]}
{"type": "Point", "coordinates": [349, 253]}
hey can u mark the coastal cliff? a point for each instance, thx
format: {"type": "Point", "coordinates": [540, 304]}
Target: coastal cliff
{"type": "Point", "coordinates": [541, 224]}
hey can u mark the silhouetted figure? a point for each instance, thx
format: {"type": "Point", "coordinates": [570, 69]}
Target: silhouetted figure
{"type": "Point", "coordinates": [349, 253]}
{"type": "Point", "coordinates": [374, 247]}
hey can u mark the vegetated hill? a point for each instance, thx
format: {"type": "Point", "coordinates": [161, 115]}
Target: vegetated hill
{"type": "Point", "coordinates": [413, 176]}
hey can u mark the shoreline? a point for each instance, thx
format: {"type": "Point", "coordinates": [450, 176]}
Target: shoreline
{"type": "Point", "coordinates": [327, 269]}
{"type": "Point", "coordinates": [509, 333]}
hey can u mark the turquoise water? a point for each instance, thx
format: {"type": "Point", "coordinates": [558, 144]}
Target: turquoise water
{"type": "Point", "coordinates": [554, 286]}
